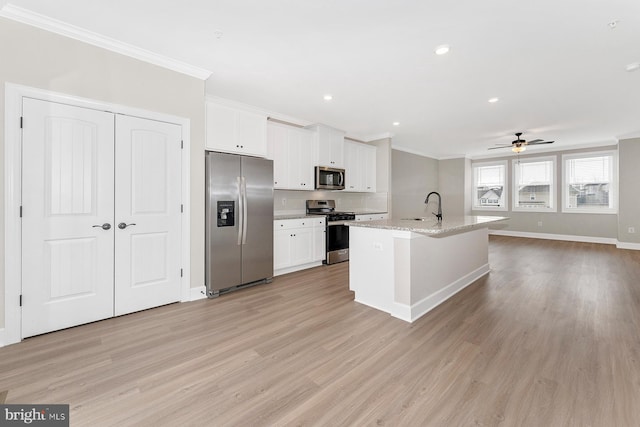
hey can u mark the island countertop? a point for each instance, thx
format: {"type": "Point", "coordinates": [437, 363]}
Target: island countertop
{"type": "Point", "coordinates": [430, 226]}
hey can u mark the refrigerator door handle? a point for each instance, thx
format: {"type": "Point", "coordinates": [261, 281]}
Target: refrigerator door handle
{"type": "Point", "coordinates": [240, 210]}
{"type": "Point", "coordinates": [244, 211]}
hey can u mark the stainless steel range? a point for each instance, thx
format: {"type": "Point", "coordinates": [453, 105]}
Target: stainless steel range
{"type": "Point", "coordinates": [337, 231]}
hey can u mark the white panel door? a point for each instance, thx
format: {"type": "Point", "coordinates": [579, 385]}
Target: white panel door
{"type": "Point", "coordinates": [147, 215]}
{"type": "Point", "coordinates": [67, 197]}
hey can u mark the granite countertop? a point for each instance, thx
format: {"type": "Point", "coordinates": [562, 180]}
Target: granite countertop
{"type": "Point", "coordinates": [304, 215]}
{"type": "Point", "coordinates": [368, 212]}
{"type": "Point", "coordinates": [430, 226]}
{"type": "Point", "coordinates": [293, 216]}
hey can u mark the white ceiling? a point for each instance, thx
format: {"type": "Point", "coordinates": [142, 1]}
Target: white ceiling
{"type": "Point", "coordinates": [557, 66]}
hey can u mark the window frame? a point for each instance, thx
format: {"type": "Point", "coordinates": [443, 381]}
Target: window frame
{"type": "Point", "coordinates": [553, 198]}
{"type": "Point", "coordinates": [613, 183]}
{"type": "Point", "coordinates": [505, 191]}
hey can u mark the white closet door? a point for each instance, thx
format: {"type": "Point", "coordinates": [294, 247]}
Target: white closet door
{"type": "Point", "coordinates": [148, 202]}
{"type": "Point", "coordinates": [67, 196]}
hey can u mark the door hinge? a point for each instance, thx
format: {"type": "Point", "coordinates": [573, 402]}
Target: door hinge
{"type": "Point", "coordinates": [180, 272]}
{"type": "Point", "coordinates": [20, 211]}
{"type": "Point", "coordinates": [21, 122]}
{"type": "Point", "coordinates": [20, 300]}
{"type": "Point", "coordinates": [181, 208]}
{"type": "Point", "coordinates": [181, 145]}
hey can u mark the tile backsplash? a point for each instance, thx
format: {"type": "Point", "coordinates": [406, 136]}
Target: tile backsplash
{"type": "Point", "coordinates": [286, 202]}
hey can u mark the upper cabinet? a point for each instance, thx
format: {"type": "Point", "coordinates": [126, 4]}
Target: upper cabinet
{"type": "Point", "coordinates": [329, 146]}
{"type": "Point", "coordinates": [231, 130]}
{"type": "Point", "coordinates": [360, 167]}
{"type": "Point", "coordinates": [291, 150]}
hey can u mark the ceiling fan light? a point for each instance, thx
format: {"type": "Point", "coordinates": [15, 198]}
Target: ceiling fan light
{"type": "Point", "coordinates": [518, 149]}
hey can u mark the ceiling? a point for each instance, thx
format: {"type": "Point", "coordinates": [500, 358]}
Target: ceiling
{"type": "Point", "coordinates": [557, 67]}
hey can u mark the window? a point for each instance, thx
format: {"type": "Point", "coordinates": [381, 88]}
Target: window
{"type": "Point", "coordinates": [490, 186]}
{"type": "Point", "coordinates": [534, 184]}
{"type": "Point", "coordinates": [589, 183]}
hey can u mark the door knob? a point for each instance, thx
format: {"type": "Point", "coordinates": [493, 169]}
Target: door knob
{"type": "Point", "coordinates": [105, 226]}
{"type": "Point", "coordinates": [122, 225]}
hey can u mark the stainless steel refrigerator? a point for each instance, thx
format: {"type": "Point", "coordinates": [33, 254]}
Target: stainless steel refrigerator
{"type": "Point", "coordinates": [239, 222]}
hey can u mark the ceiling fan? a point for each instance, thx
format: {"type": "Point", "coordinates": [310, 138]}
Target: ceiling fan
{"type": "Point", "coordinates": [519, 145]}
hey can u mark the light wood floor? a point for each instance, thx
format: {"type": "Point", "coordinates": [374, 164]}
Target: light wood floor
{"type": "Point", "coordinates": [550, 338]}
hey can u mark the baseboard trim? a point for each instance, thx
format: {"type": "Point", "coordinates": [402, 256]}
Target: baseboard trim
{"type": "Point", "coordinates": [2, 339]}
{"type": "Point", "coordinates": [197, 293]}
{"type": "Point", "coordinates": [549, 236]}
{"type": "Point", "coordinates": [627, 245]}
{"type": "Point", "coordinates": [422, 307]}
{"type": "Point", "coordinates": [287, 270]}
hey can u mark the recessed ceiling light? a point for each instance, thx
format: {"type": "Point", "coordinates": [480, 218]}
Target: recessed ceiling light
{"type": "Point", "coordinates": [442, 49]}
{"type": "Point", "coordinates": [396, 123]}
{"type": "Point", "coordinates": [633, 67]}
{"type": "Point", "coordinates": [494, 100]}
{"type": "Point", "coordinates": [328, 97]}
{"type": "Point", "coordinates": [613, 24]}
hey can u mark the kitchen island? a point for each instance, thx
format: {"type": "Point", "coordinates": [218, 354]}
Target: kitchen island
{"type": "Point", "coordinates": [406, 267]}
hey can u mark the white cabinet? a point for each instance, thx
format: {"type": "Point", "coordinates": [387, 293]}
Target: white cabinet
{"type": "Point", "coordinates": [360, 167]}
{"type": "Point", "coordinates": [329, 146]}
{"type": "Point", "coordinates": [298, 244]}
{"type": "Point", "coordinates": [372, 217]}
{"type": "Point", "coordinates": [319, 239]}
{"type": "Point", "coordinates": [291, 150]}
{"type": "Point", "coordinates": [231, 130]}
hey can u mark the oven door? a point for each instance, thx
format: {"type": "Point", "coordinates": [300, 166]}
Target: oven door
{"type": "Point", "coordinates": [337, 242]}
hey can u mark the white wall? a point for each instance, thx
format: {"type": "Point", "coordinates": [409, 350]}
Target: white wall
{"type": "Point", "coordinates": [629, 177]}
{"type": "Point", "coordinates": [412, 178]}
{"type": "Point", "coordinates": [574, 224]}
{"type": "Point", "coordinates": [39, 59]}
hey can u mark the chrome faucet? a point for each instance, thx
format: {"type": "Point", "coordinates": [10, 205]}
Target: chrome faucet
{"type": "Point", "coordinates": [439, 214]}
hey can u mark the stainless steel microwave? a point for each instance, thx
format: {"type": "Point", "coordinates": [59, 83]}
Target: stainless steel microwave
{"type": "Point", "coordinates": [329, 178]}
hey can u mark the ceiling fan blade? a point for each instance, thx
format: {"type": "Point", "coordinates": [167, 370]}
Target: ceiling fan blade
{"type": "Point", "coordinates": [502, 146]}
{"type": "Point", "coordinates": [535, 141]}
{"type": "Point", "coordinates": [539, 143]}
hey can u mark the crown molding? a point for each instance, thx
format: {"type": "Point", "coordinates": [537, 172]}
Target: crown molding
{"type": "Point", "coordinates": [412, 151]}
{"type": "Point", "coordinates": [46, 23]}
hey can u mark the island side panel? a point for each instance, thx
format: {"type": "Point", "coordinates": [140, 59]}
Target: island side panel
{"type": "Point", "coordinates": [371, 259]}
{"type": "Point", "coordinates": [442, 266]}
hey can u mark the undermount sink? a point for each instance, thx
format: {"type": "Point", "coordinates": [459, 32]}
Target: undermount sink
{"type": "Point", "coordinates": [416, 219]}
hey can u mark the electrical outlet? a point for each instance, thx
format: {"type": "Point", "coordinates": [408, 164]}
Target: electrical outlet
{"type": "Point", "coordinates": [539, 223]}
{"type": "Point", "coordinates": [631, 230]}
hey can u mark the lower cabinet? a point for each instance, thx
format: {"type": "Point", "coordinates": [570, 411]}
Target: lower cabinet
{"type": "Point", "coordinates": [298, 244]}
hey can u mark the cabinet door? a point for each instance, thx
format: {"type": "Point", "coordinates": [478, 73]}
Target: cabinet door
{"type": "Point", "coordinates": [221, 128]}
{"type": "Point", "coordinates": [351, 166]}
{"type": "Point", "coordinates": [301, 250]}
{"type": "Point", "coordinates": [278, 151]}
{"type": "Point", "coordinates": [281, 247]}
{"type": "Point", "coordinates": [305, 159]}
{"type": "Point", "coordinates": [295, 150]}
{"type": "Point", "coordinates": [369, 168]}
{"type": "Point", "coordinates": [319, 242]}
{"type": "Point", "coordinates": [235, 131]}
{"type": "Point", "coordinates": [337, 148]}
{"type": "Point", "coordinates": [329, 146]}
{"type": "Point", "coordinates": [251, 131]}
